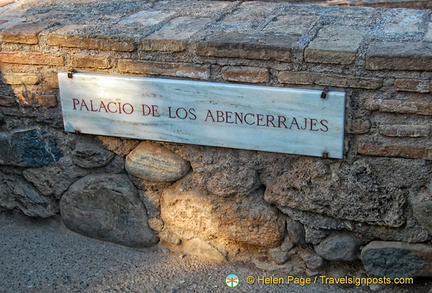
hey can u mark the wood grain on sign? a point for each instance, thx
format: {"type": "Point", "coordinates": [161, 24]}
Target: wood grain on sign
{"type": "Point", "coordinates": [274, 119]}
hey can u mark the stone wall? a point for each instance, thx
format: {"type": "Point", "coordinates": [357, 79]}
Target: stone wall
{"type": "Point", "coordinates": [282, 211]}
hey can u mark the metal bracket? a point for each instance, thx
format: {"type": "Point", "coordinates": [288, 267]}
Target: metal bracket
{"type": "Point", "coordinates": [70, 73]}
{"type": "Point", "coordinates": [325, 155]}
{"type": "Point", "coordinates": [324, 93]}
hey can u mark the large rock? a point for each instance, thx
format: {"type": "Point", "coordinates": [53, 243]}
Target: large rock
{"type": "Point", "coordinates": [340, 191]}
{"type": "Point", "coordinates": [338, 246]}
{"type": "Point", "coordinates": [107, 207]}
{"type": "Point", "coordinates": [246, 220]}
{"type": "Point", "coordinates": [88, 155]}
{"type": "Point", "coordinates": [16, 193]}
{"type": "Point", "coordinates": [32, 147]}
{"type": "Point", "coordinates": [153, 162]}
{"type": "Point", "coordinates": [397, 259]}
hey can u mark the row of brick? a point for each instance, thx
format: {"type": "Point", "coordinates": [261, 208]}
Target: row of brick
{"type": "Point", "coordinates": [229, 73]}
{"type": "Point", "coordinates": [380, 56]}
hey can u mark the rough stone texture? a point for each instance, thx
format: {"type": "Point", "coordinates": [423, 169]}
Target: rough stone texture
{"type": "Point", "coordinates": [203, 250]}
{"type": "Point", "coordinates": [244, 220]}
{"type": "Point", "coordinates": [107, 207]}
{"type": "Point", "coordinates": [119, 146]}
{"type": "Point", "coordinates": [153, 162]}
{"type": "Point", "coordinates": [88, 155]}
{"type": "Point", "coordinates": [223, 173]}
{"type": "Point", "coordinates": [282, 254]}
{"type": "Point", "coordinates": [309, 186]}
{"type": "Point", "coordinates": [338, 246]}
{"type": "Point", "coordinates": [313, 261]}
{"type": "Point", "coordinates": [397, 259]}
{"type": "Point", "coordinates": [32, 147]}
{"type": "Point", "coordinates": [16, 193]}
{"type": "Point", "coordinates": [379, 57]}
{"type": "Point", "coordinates": [335, 44]}
{"type": "Point", "coordinates": [422, 207]}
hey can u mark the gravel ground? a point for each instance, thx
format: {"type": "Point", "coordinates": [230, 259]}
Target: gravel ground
{"type": "Point", "coordinates": [42, 255]}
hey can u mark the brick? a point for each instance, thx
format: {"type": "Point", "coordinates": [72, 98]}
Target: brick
{"type": "Point", "coordinates": [399, 56]}
{"type": "Point", "coordinates": [6, 101]}
{"type": "Point", "coordinates": [309, 78]}
{"type": "Point", "coordinates": [413, 85]}
{"type": "Point", "coordinates": [36, 101]}
{"type": "Point", "coordinates": [164, 68]}
{"type": "Point", "coordinates": [24, 33]}
{"type": "Point", "coordinates": [400, 106]}
{"type": "Point", "coordinates": [245, 74]}
{"type": "Point", "coordinates": [31, 58]}
{"type": "Point", "coordinates": [412, 152]}
{"type": "Point", "coordinates": [91, 62]}
{"type": "Point", "coordinates": [20, 78]}
{"type": "Point", "coordinates": [335, 44]}
{"type": "Point", "coordinates": [405, 130]}
{"type": "Point", "coordinates": [248, 46]}
{"type": "Point", "coordinates": [90, 43]}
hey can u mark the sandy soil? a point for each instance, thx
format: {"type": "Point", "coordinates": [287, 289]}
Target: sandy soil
{"type": "Point", "coordinates": [42, 255]}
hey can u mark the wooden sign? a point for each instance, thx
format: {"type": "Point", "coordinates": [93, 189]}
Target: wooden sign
{"type": "Point", "coordinates": [274, 119]}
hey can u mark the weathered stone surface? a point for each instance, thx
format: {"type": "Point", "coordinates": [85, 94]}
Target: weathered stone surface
{"type": "Point", "coordinates": [119, 146]}
{"type": "Point", "coordinates": [224, 173]}
{"type": "Point", "coordinates": [203, 250]}
{"type": "Point", "coordinates": [295, 231]}
{"type": "Point", "coordinates": [338, 246]}
{"type": "Point", "coordinates": [351, 192]}
{"type": "Point", "coordinates": [16, 193]}
{"type": "Point", "coordinates": [282, 254]}
{"type": "Point", "coordinates": [399, 56]}
{"type": "Point", "coordinates": [88, 155]}
{"type": "Point", "coordinates": [32, 147]}
{"type": "Point", "coordinates": [246, 220]}
{"type": "Point", "coordinates": [335, 44]}
{"type": "Point", "coordinates": [153, 162]}
{"type": "Point", "coordinates": [107, 207]}
{"type": "Point", "coordinates": [422, 207]}
{"type": "Point", "coordinates": [313, 261]}
{"type": "Point", "coordinates": [48, 180]}
{"type": "Point", "coordinates": [397, 259]}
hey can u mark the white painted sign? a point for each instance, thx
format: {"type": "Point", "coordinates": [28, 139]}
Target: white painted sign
{"type": "Point", "coordinates": [274, 119]}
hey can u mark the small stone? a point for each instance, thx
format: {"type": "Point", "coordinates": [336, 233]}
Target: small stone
{"type": "Point", "coordinates": [153, 162]}
{"type": "Point", "coordinates": [281, 254]}
{"type": "Point", "coordinates": [397, 259]}
{"type": "Point", "coordinates": [107, 207]}
{"type": "Point", "coordinates": [296, 231]}
{"type": "Point", "coordinates": [313, 261]}
{"type": "Point", "coordinates": [338, 246]}
{"type": "Point", "coordinates": [88, 156]}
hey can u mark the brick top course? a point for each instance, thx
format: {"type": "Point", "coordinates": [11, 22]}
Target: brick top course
{"type": "Point", "coordinates": [376, 38]}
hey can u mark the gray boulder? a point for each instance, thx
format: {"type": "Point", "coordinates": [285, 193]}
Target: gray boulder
{"type": "Point", "coordinates": [397, 259]}
{"type": "Point", "coordinates": [107, 207]}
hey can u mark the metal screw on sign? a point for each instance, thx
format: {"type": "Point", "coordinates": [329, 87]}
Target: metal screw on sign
{"type": "Point", "coordinates": [70, 73]}
{"type": "Point", "coordinates": [324, 93]}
